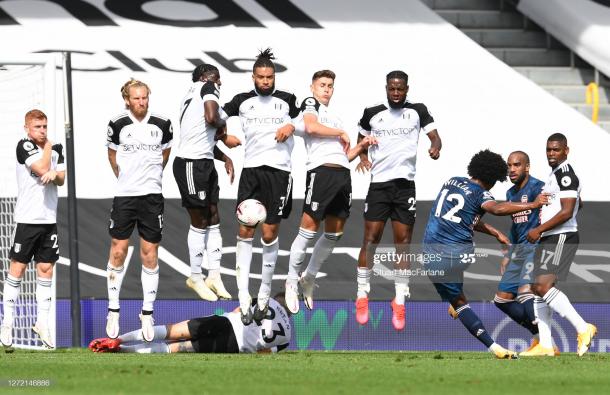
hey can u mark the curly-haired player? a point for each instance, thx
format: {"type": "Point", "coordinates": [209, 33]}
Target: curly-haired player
{"type": "Point", "coordinates": [455, 214]}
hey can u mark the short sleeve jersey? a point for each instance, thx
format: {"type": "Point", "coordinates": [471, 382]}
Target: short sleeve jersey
{"type": "Point", "coordinates": [454, 214]}
{"type": "Point", "coordinates": [196, 136]}
{"type": "Point", "coordinates": [273, 333]}
{"type": "Point", "coordinates": [139, 150]}
{"type": "Point", "coordinates": [36, 202]}
{"type": "Point", "coordinates": [524, 221]}
{"type": "Point", "coordinates": [261, 117]}
{"type": "Point", "coordinates": [562, 183]}
{"type": "Point", "coordinates": [397, 133]}
{"type": "Point", "coordinates": [321, 150]}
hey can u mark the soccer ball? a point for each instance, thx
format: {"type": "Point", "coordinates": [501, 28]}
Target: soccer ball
{"type": "Point", "coordinates": [251, 212]}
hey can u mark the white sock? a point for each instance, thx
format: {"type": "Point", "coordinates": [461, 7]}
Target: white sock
{"type": "Point", "coordinates": [12, 288]}
{"type": "Point", "coordinates": [147, 348]}
{"type": "Point", "coordinates": [544, 316]}
{"type": "Point", "coordinates": [136, 336]}
{"type": "Point", "coordinates": [213, 245]}
{"type": "Point", "coordinates": [196, 243]}
{"type": "Point", "coordinates": [270, 252]}
{"type": "Point", "coordinates": [401, 285]}
{"type": "Point", "coordinates": [364, 280]}
{"type": "Point", "coordinates": [243, 259]}
{"type": "Point", "coordinates": [560, 303]}
{"type": "Point", "coordinates": [43, 299]}
{"type": "Point", "coordinates": [321, 251]}
{"type": "Point", "coordinates": [495, 346]}
{"type": "Point", "coordinates": [114, 279]}
{"type": "Point", "coordinates": [297, 253]}
{"type": "Point", "coordinates": [150, 283]}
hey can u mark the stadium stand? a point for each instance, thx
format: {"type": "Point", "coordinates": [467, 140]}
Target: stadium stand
{"type": "Point", "coordinates": [499, 27]}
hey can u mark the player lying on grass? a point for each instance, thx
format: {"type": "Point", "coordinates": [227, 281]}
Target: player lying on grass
{"type": "Point", "coordinates": [212, 334]}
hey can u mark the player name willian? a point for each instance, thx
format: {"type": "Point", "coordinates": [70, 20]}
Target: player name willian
{"type": "Point", "coordinates": [459, 184]}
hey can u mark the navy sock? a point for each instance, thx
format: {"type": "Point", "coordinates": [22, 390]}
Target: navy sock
{"type": "Point", "coordinates": [474, 325]}
{"type": "Point", "coordinates": [516, 311]}
{"type": "Point", "coordinates": [527, 300]}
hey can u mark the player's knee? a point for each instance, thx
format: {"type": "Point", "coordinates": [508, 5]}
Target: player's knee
{"type": "Point", "coordinates": [246, 232]}
{"type": "Point", "coordinates": [213, 217]}
{"type": "Point", "coordinates": [458, 301]}
{"type": "Point", "coordinates": [17, 269]}
{"type": "Point", "coordinates": [540, 289]}
{"type": "Point", "coordinates": [148, 254]}
{"type": "Point", "coordinates": [198, 218]}
{"type": "Point", "coordinates": [269, 235]}
{"type": "Point", "coordinates": [269, 239]}
{"type": "Point", "coordinates": [403, 239]}
{"type": "Point", "coordinates": [117, 256]}
{"type": "Point", "coordinates": [214, 220]}
{"type": "Point", "coordinates": [149, 259]}
{"type": "Point", "coordinates": [203, 223]}
{"type": "Point", "coordinates": [371, 240]}
{"type": "Point", "coordinates": [44, 270]}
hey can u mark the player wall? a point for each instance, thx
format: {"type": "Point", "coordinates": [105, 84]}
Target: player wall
{"type": "Point", "coordinates": [333, 326]}
{"type": "Point", "coordinates": [478, 101]}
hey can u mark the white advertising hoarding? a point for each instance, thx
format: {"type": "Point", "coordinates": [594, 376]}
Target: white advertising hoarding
{"type": "Point", "coordinates": [478, 102]}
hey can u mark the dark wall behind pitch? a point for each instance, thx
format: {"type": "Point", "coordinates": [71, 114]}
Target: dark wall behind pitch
{"type": "Point", "coordinates": [94, 241]}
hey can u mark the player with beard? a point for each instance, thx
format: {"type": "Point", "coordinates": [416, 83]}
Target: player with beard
{"type": "Point", "coordinates": [266, 120]}
{"type": "Point", "coordinates": [514, 296]}
{"type": "Point", "coordinates": [455, 215]}
{"type": "Point", "coordinates": [396, 125]}
{"type": "Point", "coordinates": [139, 144]}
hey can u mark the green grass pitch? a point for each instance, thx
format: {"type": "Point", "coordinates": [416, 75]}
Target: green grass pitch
{"type": "Point", "coordinates": [78, 371]}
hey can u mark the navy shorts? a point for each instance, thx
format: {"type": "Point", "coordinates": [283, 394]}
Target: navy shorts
{"type": "Point", "coordinates": [447, 275]}
{"type": "Point", "coordinates": [520, 269]}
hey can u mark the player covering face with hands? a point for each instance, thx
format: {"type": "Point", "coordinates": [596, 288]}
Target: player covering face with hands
{"type": "Point", "coordinates": [40, 170]}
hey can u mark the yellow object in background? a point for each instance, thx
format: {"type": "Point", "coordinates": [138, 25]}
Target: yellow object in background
{"type": "Point", "coordinates": [593, 99]}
